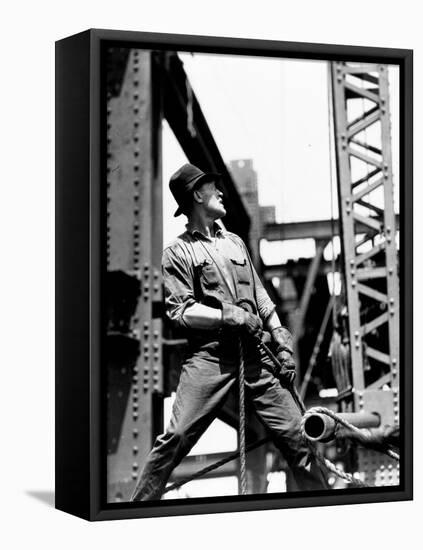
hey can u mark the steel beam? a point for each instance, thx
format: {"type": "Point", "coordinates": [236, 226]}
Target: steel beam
{"type": "Point", "coordinates": [319, 229]}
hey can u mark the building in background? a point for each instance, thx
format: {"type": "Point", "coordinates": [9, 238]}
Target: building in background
{"type": "Point", "coordinates": [245, 178]}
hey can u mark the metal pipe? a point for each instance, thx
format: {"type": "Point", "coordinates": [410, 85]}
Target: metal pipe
{"type": "Point", "coordinates": [320, 427]}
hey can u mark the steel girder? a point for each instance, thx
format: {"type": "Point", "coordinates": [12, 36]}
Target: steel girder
{"type": "Point", "coordinates": [368, 231]}
{"type": "Point", "coordinates": [134, 226]}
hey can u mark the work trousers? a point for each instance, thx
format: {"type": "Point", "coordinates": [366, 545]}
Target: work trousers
{"type": "Point", "coordinates": [205, 381]}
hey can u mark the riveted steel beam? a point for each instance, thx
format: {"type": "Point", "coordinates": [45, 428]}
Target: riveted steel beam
{"type": "Point", "coordinates": [363, 145]}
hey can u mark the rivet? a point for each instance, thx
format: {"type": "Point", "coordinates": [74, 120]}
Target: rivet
{"type": "Point", "coordinates": [135, 466]}
{"type": "Point", "coordinates": [134, 416]}
{"type": "Point", "coordinates": [135, 432]}
{"type": "Point", "coordinates": [134, 475]}
{"type": "Point", "coordinates": [135, 449]}
{"type": "Point", "coordinates": [134, 406]}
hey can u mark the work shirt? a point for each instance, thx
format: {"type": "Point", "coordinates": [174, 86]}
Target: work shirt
{"type": "Point", "coordinates": [190, 274]}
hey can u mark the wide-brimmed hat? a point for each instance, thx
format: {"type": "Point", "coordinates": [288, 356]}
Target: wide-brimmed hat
{"type": "Point", "coordinates": [183, 182]}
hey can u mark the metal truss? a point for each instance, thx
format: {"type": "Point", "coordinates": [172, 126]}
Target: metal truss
{"type": "Point", "coordinates": [368, 233]}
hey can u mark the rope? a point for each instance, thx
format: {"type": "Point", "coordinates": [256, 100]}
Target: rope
{"type": "Point", "coordinates": [242, 458]}
{"type": "Point", "coordinates": [363, 436]}
{"type": "Point", "coordinates": [348, 478]}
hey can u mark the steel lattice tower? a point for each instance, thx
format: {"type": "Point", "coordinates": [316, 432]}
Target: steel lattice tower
{"type": "Point", "coordinates": [370, 259]}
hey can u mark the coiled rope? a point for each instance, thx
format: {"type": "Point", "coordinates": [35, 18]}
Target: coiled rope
{"type": "Point", "coordinates": [364, 437]}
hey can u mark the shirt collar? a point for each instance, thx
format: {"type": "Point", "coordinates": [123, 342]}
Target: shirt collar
{"type": "Point", "coordinates": [218, 231]}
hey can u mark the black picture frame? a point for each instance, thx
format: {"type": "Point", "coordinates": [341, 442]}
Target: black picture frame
{"type": "Point", "coordinates": [79, 289]}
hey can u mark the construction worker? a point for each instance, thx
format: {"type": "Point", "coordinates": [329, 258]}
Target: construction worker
{"type": "Point", "coordinates": [207, 271]}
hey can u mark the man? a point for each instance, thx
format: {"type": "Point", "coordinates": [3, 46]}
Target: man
{"type": "Point", "coordinates": [207, 271]}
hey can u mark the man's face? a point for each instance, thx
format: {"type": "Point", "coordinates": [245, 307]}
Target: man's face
{"type": "Point", "coordinates": [212, 199]}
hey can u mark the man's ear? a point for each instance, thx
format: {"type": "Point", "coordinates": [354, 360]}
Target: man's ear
{"type": "Point", "coordinates": [197, 196]}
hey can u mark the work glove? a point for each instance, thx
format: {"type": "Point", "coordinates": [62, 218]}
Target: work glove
{"type": "Point", "coordinates": [283, 342]}
{"type": "Point", "coordinates": [236, 317]}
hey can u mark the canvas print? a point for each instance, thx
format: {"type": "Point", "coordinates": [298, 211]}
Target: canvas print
{"type": "Point", "coordinates": [251, 267]}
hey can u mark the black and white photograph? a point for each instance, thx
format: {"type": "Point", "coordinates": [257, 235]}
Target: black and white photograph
{"type": "Point", "coordinates": [252, 254]}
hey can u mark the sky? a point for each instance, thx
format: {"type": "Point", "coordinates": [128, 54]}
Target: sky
{"type": "Point", "coordinates": [275, 112]}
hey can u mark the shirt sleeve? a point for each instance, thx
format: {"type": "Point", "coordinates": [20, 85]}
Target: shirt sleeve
{"type": "Point", "coordinates": [178, 280]}
{"type": "Point", "coordinates": [265, 306]}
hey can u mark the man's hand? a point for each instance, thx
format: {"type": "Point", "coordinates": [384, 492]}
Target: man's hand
{"type": "Point", "coordinates": [283, 340]}
{"type": "Point", "coordinates": [234, 316]}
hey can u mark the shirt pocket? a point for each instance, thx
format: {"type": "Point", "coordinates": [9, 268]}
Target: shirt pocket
{"type": "Point", "coordinates": [242, 271]}
{"type": "Point", "coordinates": [208, 275]}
